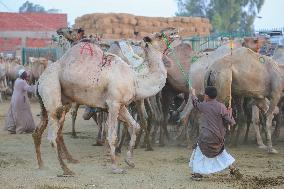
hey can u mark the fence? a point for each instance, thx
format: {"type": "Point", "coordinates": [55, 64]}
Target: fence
{"type": "Point", "coordinates": [213, 41]}
{"type": "Point", "coordinates": [52, 54]}
{"type": "Point", "coordinates": [270, 29]}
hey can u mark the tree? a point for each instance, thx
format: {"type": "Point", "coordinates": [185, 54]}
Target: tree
{"type": "Point", "coordinates": [225, 15]}
{"type": "Point", "coordinates": [192, 8]}
{"type": "Point", "coordinates": [30, 7]}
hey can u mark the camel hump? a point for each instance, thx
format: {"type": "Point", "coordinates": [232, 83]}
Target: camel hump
{"type": "Point", "coordinates": [87, 49]}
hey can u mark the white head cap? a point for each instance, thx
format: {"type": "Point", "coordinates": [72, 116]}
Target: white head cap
{"type": "Point", "coordinates": [21, 71]}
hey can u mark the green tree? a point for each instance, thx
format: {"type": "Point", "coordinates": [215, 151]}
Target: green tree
{"type": "Point", "coordinates": [225, 15]}
{"type": "Point", "coordinates": [30, 7]}
{"type": "Point", "coordinates": [192, 8]}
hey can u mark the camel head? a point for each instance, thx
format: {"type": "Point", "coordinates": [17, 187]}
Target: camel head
{"type": "Point", "coordinates": [162, 40]}
{"type": "Point", "coordinates": [68, 33]}
{"type": "Point", "coordinates": [254, 43]}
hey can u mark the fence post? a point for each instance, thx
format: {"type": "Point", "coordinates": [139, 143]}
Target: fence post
{"type": "Point", "coordinates": [23, 56]}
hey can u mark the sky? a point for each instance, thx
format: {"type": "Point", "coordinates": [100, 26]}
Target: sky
{"type": "Point", "coordinates": [272, 11]}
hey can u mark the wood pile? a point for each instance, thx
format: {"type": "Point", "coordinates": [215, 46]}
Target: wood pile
{"type": "Point", "coordinates": [128, 26]}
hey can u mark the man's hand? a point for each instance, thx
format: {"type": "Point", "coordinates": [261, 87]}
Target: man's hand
{"type": "Point", "coordinates": [230, 111]}
{"type": "Point", "coordinates": [192, 91]}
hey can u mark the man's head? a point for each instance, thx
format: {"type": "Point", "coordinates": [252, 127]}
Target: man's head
{"type": "Point", "coordinates": [210, 93]}
{"type": "Point", "coordinates": [23, 74]}
{"type": "Point", "coordinates": [80, 33]}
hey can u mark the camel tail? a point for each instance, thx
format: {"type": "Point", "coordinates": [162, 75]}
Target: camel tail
{"type": "Point", "coordinates": [209, 79]}
{"type": "Point", "coordinates": [42, 108]}
{"type": "Point", "coordinates": [222, 80]}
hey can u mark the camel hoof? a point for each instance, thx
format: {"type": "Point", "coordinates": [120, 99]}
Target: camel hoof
{"type": "Point", "coordinates": [41, 167]}
{"type": "Point", "coordinates": [97, 144]}
{"type": "Point", "coordinates": [149, 149]}
{"type": "Point", "coordinates": [262, 147]}
{"type": "Point", "coordinates": [272, 151]}
{"type": "Point", "coordinates": [162, 145]}
{"type": "Point", "coordinates": [118, 171]}
{"type": "Point", "coordinates": [73, 161]}
{"type": "Point", "coordinates": [129, 162]}
{"type": "Point", "coordinates": [74, 136]}
{"type": "Point", "coordinates": [67, 173]}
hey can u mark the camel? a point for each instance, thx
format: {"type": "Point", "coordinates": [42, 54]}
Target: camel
{"type": "Point", "coordinates": [86, 75]}
{"type": "Point", "coordinates": [279, 55]}
{"type": "Point", "coordinates": [254, 43]}
{"type": "Point", "coordinates": [197, 72]}
{"type": "Point", "coordinates": [255, 117]}
{"type": "Point", "coordinates": [134, 55]}
{"type": "Point", "coordinates": [37, 66]}
{"type": "Point", "coordinates": [3, 81]}
{"type": "Point", "coordinates": [199, 68]}
{"type": "Point", "coordinates": [255, 120]}
{"type": "Point", "coordinates": [12, 68]}
{"type": "Point", "coordinates": [248, 74]}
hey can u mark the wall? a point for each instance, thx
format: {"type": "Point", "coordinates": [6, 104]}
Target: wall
{"type": "Point", "coordinates": [19, 30]}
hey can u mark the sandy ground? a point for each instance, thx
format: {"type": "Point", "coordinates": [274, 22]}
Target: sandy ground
{"type": "Point", "coordinates": [165, 167]}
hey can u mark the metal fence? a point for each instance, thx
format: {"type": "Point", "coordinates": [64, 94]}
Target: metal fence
{"type": "Point", "coordinates": [213, 41]}
{"type": "Point", "coordinates": [52, 54]}
{"type": "Point", "coordinates": [270, 29]}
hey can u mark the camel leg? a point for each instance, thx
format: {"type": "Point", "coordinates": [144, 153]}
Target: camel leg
{"type": "Point", "coordinates": [56, 139]}
{"type": "Point", "coordinates": [247, 131]}
{"type": "Point", "coordinates": [133, 127]}
{"type": "Point", "coordinates": [65, 151]}
{"type": "Point", "coordinates": [247, 108]}
{"type": "Point", "coordinates": [98, 118]}
{"type": "Point", "coordinates": [37, 135]}
{"type": "Point", "coordinates": [121, 141]}
{"type": "Point", "coordinates": [184, 120]}
{"type": "Point", "coordinates": [112, 122]}
{"type": "Point", "coordinates": [74, 111]}
{"type": "Point", "coordinates": [151, 119]}
{"type": "Point", "coordinates": [276, 132]}
{"type": "Point", "coordinates": [162, 118]}
{"type": "Point", "coordinates": [142, 116]}
{"type": "Point", "coordinates": [240, 119]}
{"type": "Point", "coordinates": [269, 117]}
{"type": "Point", "coordinates": [256, 123]}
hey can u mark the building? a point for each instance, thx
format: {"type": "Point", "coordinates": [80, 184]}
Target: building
{"type": "Point", "coordinates": [31, 30]}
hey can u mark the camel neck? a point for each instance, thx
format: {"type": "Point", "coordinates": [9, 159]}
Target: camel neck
{"type": "Point", "coordinates": [151, 83]}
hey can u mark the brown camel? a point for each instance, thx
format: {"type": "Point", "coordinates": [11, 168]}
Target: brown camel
{"type": "Point", "coordinates": [86, 75]}
{"type": "Point", "coordinates": [248, 74]}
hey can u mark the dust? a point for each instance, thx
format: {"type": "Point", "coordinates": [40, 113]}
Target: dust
{"type": "Point", "coordinates": [257, 182]}
{"type": "Point", "coordinates": [165, 167]}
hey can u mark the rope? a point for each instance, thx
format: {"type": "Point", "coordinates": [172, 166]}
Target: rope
{"type": "Point", "coordinates": [177, 60]}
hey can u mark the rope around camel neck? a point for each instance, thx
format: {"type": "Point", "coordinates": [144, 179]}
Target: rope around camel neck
{"type": "Point", "coordinates": [165, 38]}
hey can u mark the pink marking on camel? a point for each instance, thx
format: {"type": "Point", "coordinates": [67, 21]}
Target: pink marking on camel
{"type": "Point", "coordinates": [86, 46]}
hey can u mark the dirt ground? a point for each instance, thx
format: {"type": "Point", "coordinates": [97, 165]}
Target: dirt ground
{"type": "Point", "coordinates": [165, 167]}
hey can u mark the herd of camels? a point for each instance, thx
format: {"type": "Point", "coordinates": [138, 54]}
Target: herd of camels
{"type": "Point", "coordinates": [149, 74]}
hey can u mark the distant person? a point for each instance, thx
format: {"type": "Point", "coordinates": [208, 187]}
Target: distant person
{"type": "Point", "coordinates": [80, 34]}
{"type": "Point", "coordinates": [19, 117]}
{"type": "Point", "coordinates": [209, 154]}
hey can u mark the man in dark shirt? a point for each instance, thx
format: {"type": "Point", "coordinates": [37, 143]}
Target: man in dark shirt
{"type": "Point", "coordinates": [209, 155]}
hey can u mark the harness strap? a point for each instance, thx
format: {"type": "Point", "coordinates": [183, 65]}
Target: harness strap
{"type": "Point", "coordinates": [176, 59]}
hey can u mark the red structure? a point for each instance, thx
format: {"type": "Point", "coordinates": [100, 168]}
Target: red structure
{"type": "Point", "coordinates": [28, 29]}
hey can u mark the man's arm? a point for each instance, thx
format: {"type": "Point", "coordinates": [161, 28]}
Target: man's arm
{"type": "Point", "coordinates": [196, 103]}
{"type": "Point", "coordinates": [227, 115]}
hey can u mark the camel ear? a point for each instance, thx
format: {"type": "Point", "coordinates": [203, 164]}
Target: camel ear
{"type": "Point", "coordinates": [147, 39]}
